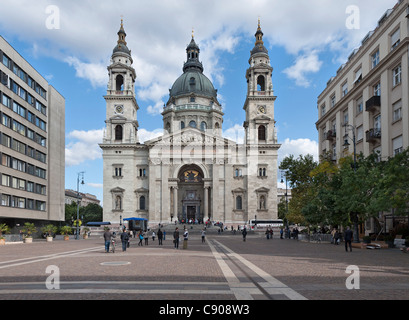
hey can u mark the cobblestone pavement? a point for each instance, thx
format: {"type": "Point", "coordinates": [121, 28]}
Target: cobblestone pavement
{"type": "Point", "coordinates": [223, 268]}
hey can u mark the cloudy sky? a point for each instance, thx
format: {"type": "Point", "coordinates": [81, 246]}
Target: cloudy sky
{"type": "Point", "coordinates": [70, 43]}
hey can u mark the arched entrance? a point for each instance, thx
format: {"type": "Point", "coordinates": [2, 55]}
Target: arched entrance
{"type": "Point", "coordinates": [191, 193]}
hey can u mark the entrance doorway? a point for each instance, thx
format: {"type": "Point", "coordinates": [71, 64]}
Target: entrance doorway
{"type": "Point", "coordinates": [191, 213]}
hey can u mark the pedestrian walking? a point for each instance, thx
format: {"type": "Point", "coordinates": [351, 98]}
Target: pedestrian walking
{"type": "Point", "coordinates": [203, 236]}
{"type": "Point", "coordinates": [281, 233]}
{"type": "Point", "coordinates": [336, 237]}
{"type": "Point", "coordinates": [124, 239]}
{"type": "Point", "coordinates": [348, 235]}
{"type": "Point", "coordinates": [140, 236]}
{"type": "Point", "coordinates": [185, 238]}
{"type": "Point", "coordinates": [176, 238]}
{"type": "Point", "coordinates": [146, 237]}
{"type": "Point", "coordinates": [164, 235]}
{"type": "Point", "coordinates": [153, 235]}
{"type": "Point", "coordinates": [160, 236]}
{"type": "Point", "coordinates": [107, 238]}
{"type": "Point", "coordinates": [244, 233]}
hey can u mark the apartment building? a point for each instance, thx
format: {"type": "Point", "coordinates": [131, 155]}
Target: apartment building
{"type": "Point", "coordinates": [369, 97]}
{"type": "Point", "coordinates": [370, 93]}
{"type": "Point", "coordinates": [32, 143]}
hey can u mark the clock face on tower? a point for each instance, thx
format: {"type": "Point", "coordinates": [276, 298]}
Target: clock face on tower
{"type": "Point", "coordinates": [262, 109]}
{"type": "Point", "coordinates": [119, 109]}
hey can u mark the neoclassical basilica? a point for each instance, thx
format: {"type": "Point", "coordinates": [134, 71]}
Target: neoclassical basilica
{"type": "Point", "coordinates": [191, 171]}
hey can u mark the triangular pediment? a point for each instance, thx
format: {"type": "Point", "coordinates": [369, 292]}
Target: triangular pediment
{"type": "Point", "coordinates": [189, 136]}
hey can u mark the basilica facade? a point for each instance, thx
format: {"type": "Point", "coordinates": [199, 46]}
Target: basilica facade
{"type": "Point", "coordinates": [191, 171]}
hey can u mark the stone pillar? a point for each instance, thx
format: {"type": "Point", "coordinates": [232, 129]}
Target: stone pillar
{"type": "Point", "coordinates": [175, 203]}
{"type": "Point", "coordinates": [206, 204]}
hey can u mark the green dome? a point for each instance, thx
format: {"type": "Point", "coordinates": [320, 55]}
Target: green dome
{"type": "Point", "coordinates": [193, 82]}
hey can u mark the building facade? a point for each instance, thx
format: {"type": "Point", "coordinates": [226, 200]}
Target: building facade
{"type": "Point", "coordinates": [85, 198]}
{"type": "Point", "coordinates": [32, 149]}
{"type": "Point", "coordinates": [191, 171]}
{"type": "Point", "coordinates": [369, 96]}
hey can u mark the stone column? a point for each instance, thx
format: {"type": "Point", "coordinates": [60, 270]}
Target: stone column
{"type": "Point", "coordinates": [206, 204]}
{"type": "Point", "coordinates": [175, 202]}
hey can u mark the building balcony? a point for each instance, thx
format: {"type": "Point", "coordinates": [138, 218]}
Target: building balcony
{"type": "Point", "coordinates": [373, 104]}
{"type": "Point", "coordinates": [330, 135]}
{"type": "Point", "coordinates": [373, 135]}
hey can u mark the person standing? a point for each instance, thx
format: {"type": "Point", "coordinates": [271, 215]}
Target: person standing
{"type": "Point", "coordinates": [244, 233]}
{"type": "Point", "coordinates": [185, 238]}
{"type": "Point", "coordinates": [107, 238]}
{"type": "Point", "coordinates": [153, 235]}
{"type": "Point", "coordinates": [140, 236]}
{"type": "Point", "coordinates": [124, 239]}
{"type": "Point", "coordinates": [160, 236]}
{"type": "Point", "coordinates": [203, 235]}
{"type": "Point", "coordinates": [281, 233]}
{"type": "Point", "coordinates": [176, 238]}
{"type": "Point", "coordinates": [146, 237]}
{"type": "Point", "coordinates": [348, 239]}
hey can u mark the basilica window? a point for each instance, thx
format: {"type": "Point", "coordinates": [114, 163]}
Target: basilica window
{"type": "Point", "coordinates": [182, 124]}
{"type": "Point", "coordinates": [261, 133]}
{"type": "Point", "coordinates": [192, 124]}
{"type": "Point", "coordinates": [262, 172]}
{"type": "Point", "coordinates": [261, 83]}
{"type": "Point", "coordinates": [118, 132]}
{"type": "Point", "coordinates": [239, 203]}
{"type": "Point", "coordinates": [142, 203]}
{"type": "Point", "coordinates": [118, 172]}
{"type": "Point", "coordinates": [119, 83]}
{"type": "Point", "coordinates": [203, 126]}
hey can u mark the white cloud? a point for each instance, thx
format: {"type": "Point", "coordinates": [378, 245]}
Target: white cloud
{"type": "Point", "coordinates": [156, 109]}
{"type": "Point", "coordinates": [305, 64]}
{"type": "Point", "coordinates": [94, 72]}
{"type": "Point", "coordinates": [95, 185]}
{"type": "Point", "coordinates": [145, 135]}
{"type": "Point", "coordinates": [235, 133]}
{"type": "Point", "coordinates": [298, 147]}
{"type": "Point", "coordinates": [83, 146]}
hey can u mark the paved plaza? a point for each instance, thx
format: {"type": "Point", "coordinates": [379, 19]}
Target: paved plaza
{"type": "Point", "coordinates": [223, 268]}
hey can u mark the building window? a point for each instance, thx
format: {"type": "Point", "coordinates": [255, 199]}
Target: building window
{"type": "Point", "coordinates": [375, 59]}
{"type": "Point", "coordinates": [239, 203]}
{"type": "Point", "coordinates": [360, 133]}
{"type": "Point", "coordinates": [377, 123]}
{"type": "Point", "coordinates": [345, 89]}
{"type": "Point", "coordinates": [377, 89]}
{"type": "Point", "coordinates": [238, 173]}
{"type": "Point", "coordinates": [396, 75]}
{"type": "Point", "coordinates": [182, 124]}
{"type": "Point", "coordinates": [118, 172]}
{"type": "Point", "coordinates": [333, 101]}
{"type": "Point", "coordinates": [323, 111]}
{"type": "Point", "coordinates": [118, 132]}
{"type": "Point", "coordinates": [358, 76]}
{"type": "Point", "coordinates": [397, 111]}
{"type": "Point", "coordinates": [395, 39]}
{"type": "Point", "coordinates": [142, 203]}
{"type": "Point", "coordinates": [261, 133]}
{"type": "Point", "coordinates": [203, 126]}
{"type": "Point", "coordinates": [142, 172]}
{"type": "Point", "coordinates": [261, 83]}
{"type": "Point", "coordinates": [262, 172]}
{"type": "Point", "coordinates": [192, 124]}
{"type": "Point", "coordinates": [397, 145]}
{"type": "Point", "coordinates": [359, 105]}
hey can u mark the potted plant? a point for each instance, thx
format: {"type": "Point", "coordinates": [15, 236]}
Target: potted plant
{"type": "Point", "coordinates": [28, 230]}
{"type": "Point", "coordinates": [49, 231]}
{"type": "Point", "coordinates": [4, 228]}
{"type": "Point", "coordinates": [66, 230]}
{"type": "Point", "coordinates": [366, 239]}
{"type": "Point", "coordinates": [85, 230]}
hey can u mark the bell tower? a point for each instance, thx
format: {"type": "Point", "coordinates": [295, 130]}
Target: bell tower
{"type": "Point", "coordinates": [121, 106]}
{"type": "Point", "coordinates": [259, 106]}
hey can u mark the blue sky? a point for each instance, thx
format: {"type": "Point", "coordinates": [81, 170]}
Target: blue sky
{"type": "Point", "coordinates": [70, 44]}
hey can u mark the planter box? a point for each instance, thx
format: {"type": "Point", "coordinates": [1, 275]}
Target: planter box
{"type": "Point", "coordinates": [28, 240]}
{"type": "Point", "coordinates": [49, 239]}
{"type": "Point", "coordinates": [2, 242]}
{"type": "Point", "coordinates": [66, 238]}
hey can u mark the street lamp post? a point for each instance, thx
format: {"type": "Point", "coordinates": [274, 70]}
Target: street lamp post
{"type": "Point", "coordinates": [346, 144]}
{"type": "Point", "coordinates": [286, 197]}
{"type": "Point", "coordinates": [80, 174]}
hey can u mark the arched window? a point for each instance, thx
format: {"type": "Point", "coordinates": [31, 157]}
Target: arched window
{"type": "Point", "coordinates": [203, 126]}
{"type": "Point", "coordinates": [142, 203]}
{"type": "Point", "coordinates": [182, 124]}
{"type": "Point", "coordinates": [192, 124]}
{"type": "Point", "coordinates": [261, 83]}
{"type": "Point", "coordinates": [168, 127]}
{"type": "Point", "coordinates": [118, 132]}
{"type": "Point", "coordinates": [119, 83]}
{"type": "Point", "coordinates": [239, 203]}
{"type": "Point", "coordinates": [262, 133]}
